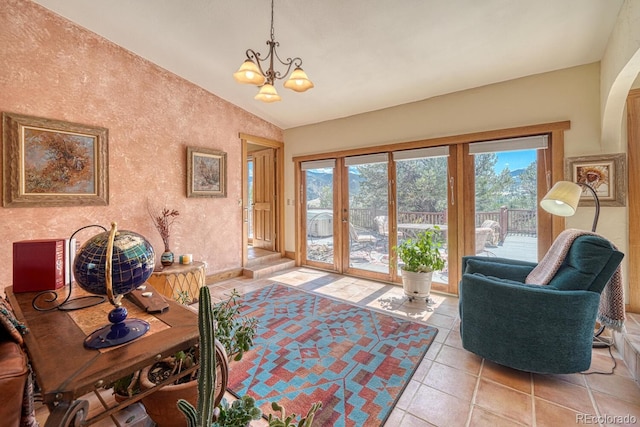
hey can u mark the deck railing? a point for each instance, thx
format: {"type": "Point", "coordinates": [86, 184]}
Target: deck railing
{"type": "Point", "coordinates": [520, 222]}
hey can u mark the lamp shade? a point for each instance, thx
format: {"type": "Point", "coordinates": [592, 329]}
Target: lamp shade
{"type": "Point", "coordinates": [562, 199]}
{"type": "Point", "coordinates": [249, 73]}
{"type": "Point", "coordinates": [268, 94]}
{"type": "Point", "coordinates": [298, 81]}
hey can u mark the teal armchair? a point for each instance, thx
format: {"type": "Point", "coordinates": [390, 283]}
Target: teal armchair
{"type": "Point", "coordinates": [534, 328]}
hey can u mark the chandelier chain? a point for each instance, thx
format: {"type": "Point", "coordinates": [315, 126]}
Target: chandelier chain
{"type": "Point", "coordinates": [272, 32]}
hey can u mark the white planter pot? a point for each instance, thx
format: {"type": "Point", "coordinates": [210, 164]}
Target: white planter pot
{"type": "Point", "coordinates": [417, 285]}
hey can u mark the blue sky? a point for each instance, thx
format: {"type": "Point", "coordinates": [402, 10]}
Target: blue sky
{"type": "Point", "coordinates": [514, 160]}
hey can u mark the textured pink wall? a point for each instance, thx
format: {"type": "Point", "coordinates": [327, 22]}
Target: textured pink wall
{"type": "Point", "coordinates": [52, 68]}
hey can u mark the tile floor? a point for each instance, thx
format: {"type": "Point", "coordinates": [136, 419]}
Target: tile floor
{"type": "Point", "coordinates": [453, 387]}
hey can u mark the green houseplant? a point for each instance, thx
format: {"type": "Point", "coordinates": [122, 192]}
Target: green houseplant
{"type": "Point", "coordinates": [126, 387]}
{"type": "Point", "coordinates": [420, 257]}
{"type": "Point", "coordinates": [234, 332]}
{"type": "Point", "coordinates": [237, 414]}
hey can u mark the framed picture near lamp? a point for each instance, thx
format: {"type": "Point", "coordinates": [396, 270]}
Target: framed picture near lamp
{"type": "Point", "coordinates": [606, 174]}
{"type": "Point", "coordinates": [53, 163]}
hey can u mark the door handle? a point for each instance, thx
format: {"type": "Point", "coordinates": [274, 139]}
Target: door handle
{"type": "Point", "coordinates": [453, 202]}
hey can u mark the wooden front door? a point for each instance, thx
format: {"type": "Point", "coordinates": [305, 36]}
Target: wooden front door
{"type": "Point", "coordinates": [264, 199]}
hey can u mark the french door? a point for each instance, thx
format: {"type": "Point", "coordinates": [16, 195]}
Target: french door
{"type": "Point", "coordinates": [364, 205]}
{"type": "Point", "coordinates": [482, 197]}
{"type": "Point", "coordinates": [357, 208]}
{"type": "Point", "coordinates": [422, 199]}
{"type": "Point", "coordinates": [508, 177]}
{"type": "Point", "coordinates": [318, 189]}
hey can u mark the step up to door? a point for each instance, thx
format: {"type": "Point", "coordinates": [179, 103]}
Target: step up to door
{"type": "Point", "coordinates": [266, 268]}
{"type": "Point", "coordinates": [628, 344]}
{"type": "Point", "coordinates": [264, 259]}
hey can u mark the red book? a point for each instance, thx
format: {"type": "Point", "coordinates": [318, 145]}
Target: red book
{"type": "Point", "coordinates": [38, 265]}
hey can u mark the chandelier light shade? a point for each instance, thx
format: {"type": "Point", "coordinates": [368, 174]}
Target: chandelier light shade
{"type": "Point", "coordinates": [268, 93]}
{"type": "Point", "coordinates": [249, 73]}
{"type": "Point", "coordinates": [298, 81]}
{"type": "Point", "coordinates": [563, 199]}
{"type": "Point", "coordinates": [252, 72]}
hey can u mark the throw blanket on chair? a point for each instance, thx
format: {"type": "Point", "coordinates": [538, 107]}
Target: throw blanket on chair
{"type": "Point", "coordinates": [611, 310]}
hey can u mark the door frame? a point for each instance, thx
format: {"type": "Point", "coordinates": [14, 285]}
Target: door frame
{"type": "Point", "coordinates": [633, 194]}
{"type": "Point", "coordinates": [278, 204]}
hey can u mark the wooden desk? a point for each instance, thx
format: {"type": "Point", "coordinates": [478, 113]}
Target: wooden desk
{"type": "Point", "coordinates": [66, 370]}
{"type": "Point", "coordinates": [179, 281]}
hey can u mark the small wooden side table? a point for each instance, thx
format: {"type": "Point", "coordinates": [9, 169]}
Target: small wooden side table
{"type": "Point", "coordinates": [179, 281]}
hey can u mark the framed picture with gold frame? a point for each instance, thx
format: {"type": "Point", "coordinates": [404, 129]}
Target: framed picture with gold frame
{"type": "Point", "coordinates": [53, 163]}
{"type": "Point", "coordinates": [206, 172]}
{"type": "Point", "coordinates": [606, 174]}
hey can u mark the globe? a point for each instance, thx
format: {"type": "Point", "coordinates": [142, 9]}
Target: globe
{"type": "Point", "coordinates": [133, 260]}
{"type": "Point", "coordinates": [114, 263]}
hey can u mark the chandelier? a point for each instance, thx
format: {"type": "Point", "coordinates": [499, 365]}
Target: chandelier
{"type": "Point", "coordinates": [251, 71]}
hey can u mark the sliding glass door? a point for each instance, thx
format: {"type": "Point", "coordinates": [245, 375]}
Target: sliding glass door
{"type": "Point", "coordinates": [319, 213]}
{"type": "Point", "coordinates": [482, 197]}
{"type": "Point", "coordinates": [365, 211]}
{"type": "Point", "coordinates": [422, 196]}
{"type": "Point", "coordinates": [506, 197]}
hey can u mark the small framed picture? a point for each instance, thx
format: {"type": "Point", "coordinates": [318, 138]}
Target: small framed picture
{"type": "Point", "coordinates": [206, 172]}
{"type": "Point", "coordinates": [606, 174]}
{"type": "Point", "coordinates": [53, 163]}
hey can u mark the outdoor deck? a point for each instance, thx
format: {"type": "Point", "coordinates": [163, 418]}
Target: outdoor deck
{"type": "Point", "coordinates": [377, 259]}
{"type": "Point", "coordinates": [524, 248]}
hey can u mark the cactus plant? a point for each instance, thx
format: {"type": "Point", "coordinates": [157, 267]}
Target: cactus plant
{"type": "Point", "coordinates": [206, 412]}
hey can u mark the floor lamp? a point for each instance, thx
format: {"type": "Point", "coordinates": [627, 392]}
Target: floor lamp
{"type": "Point", "coordinates": [562, 200]}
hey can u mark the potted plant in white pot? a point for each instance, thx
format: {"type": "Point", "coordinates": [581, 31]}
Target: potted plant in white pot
{"type": "Point", "coordinates": [420, 257]}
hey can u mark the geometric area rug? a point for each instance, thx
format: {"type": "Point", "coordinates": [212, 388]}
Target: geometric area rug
{"type": "Point", "coordinates": [311, 348]}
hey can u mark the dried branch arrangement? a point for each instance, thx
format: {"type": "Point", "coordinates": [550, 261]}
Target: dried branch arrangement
{"type": "Point", "coordinates": [163, 219]}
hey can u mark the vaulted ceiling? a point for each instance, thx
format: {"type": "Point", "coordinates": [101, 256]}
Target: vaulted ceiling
{"type": "Point", "coordinates": [362, 55]}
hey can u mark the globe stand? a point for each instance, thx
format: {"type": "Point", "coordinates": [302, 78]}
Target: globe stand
{"type": "Point", "coordinates": [120, 331]}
